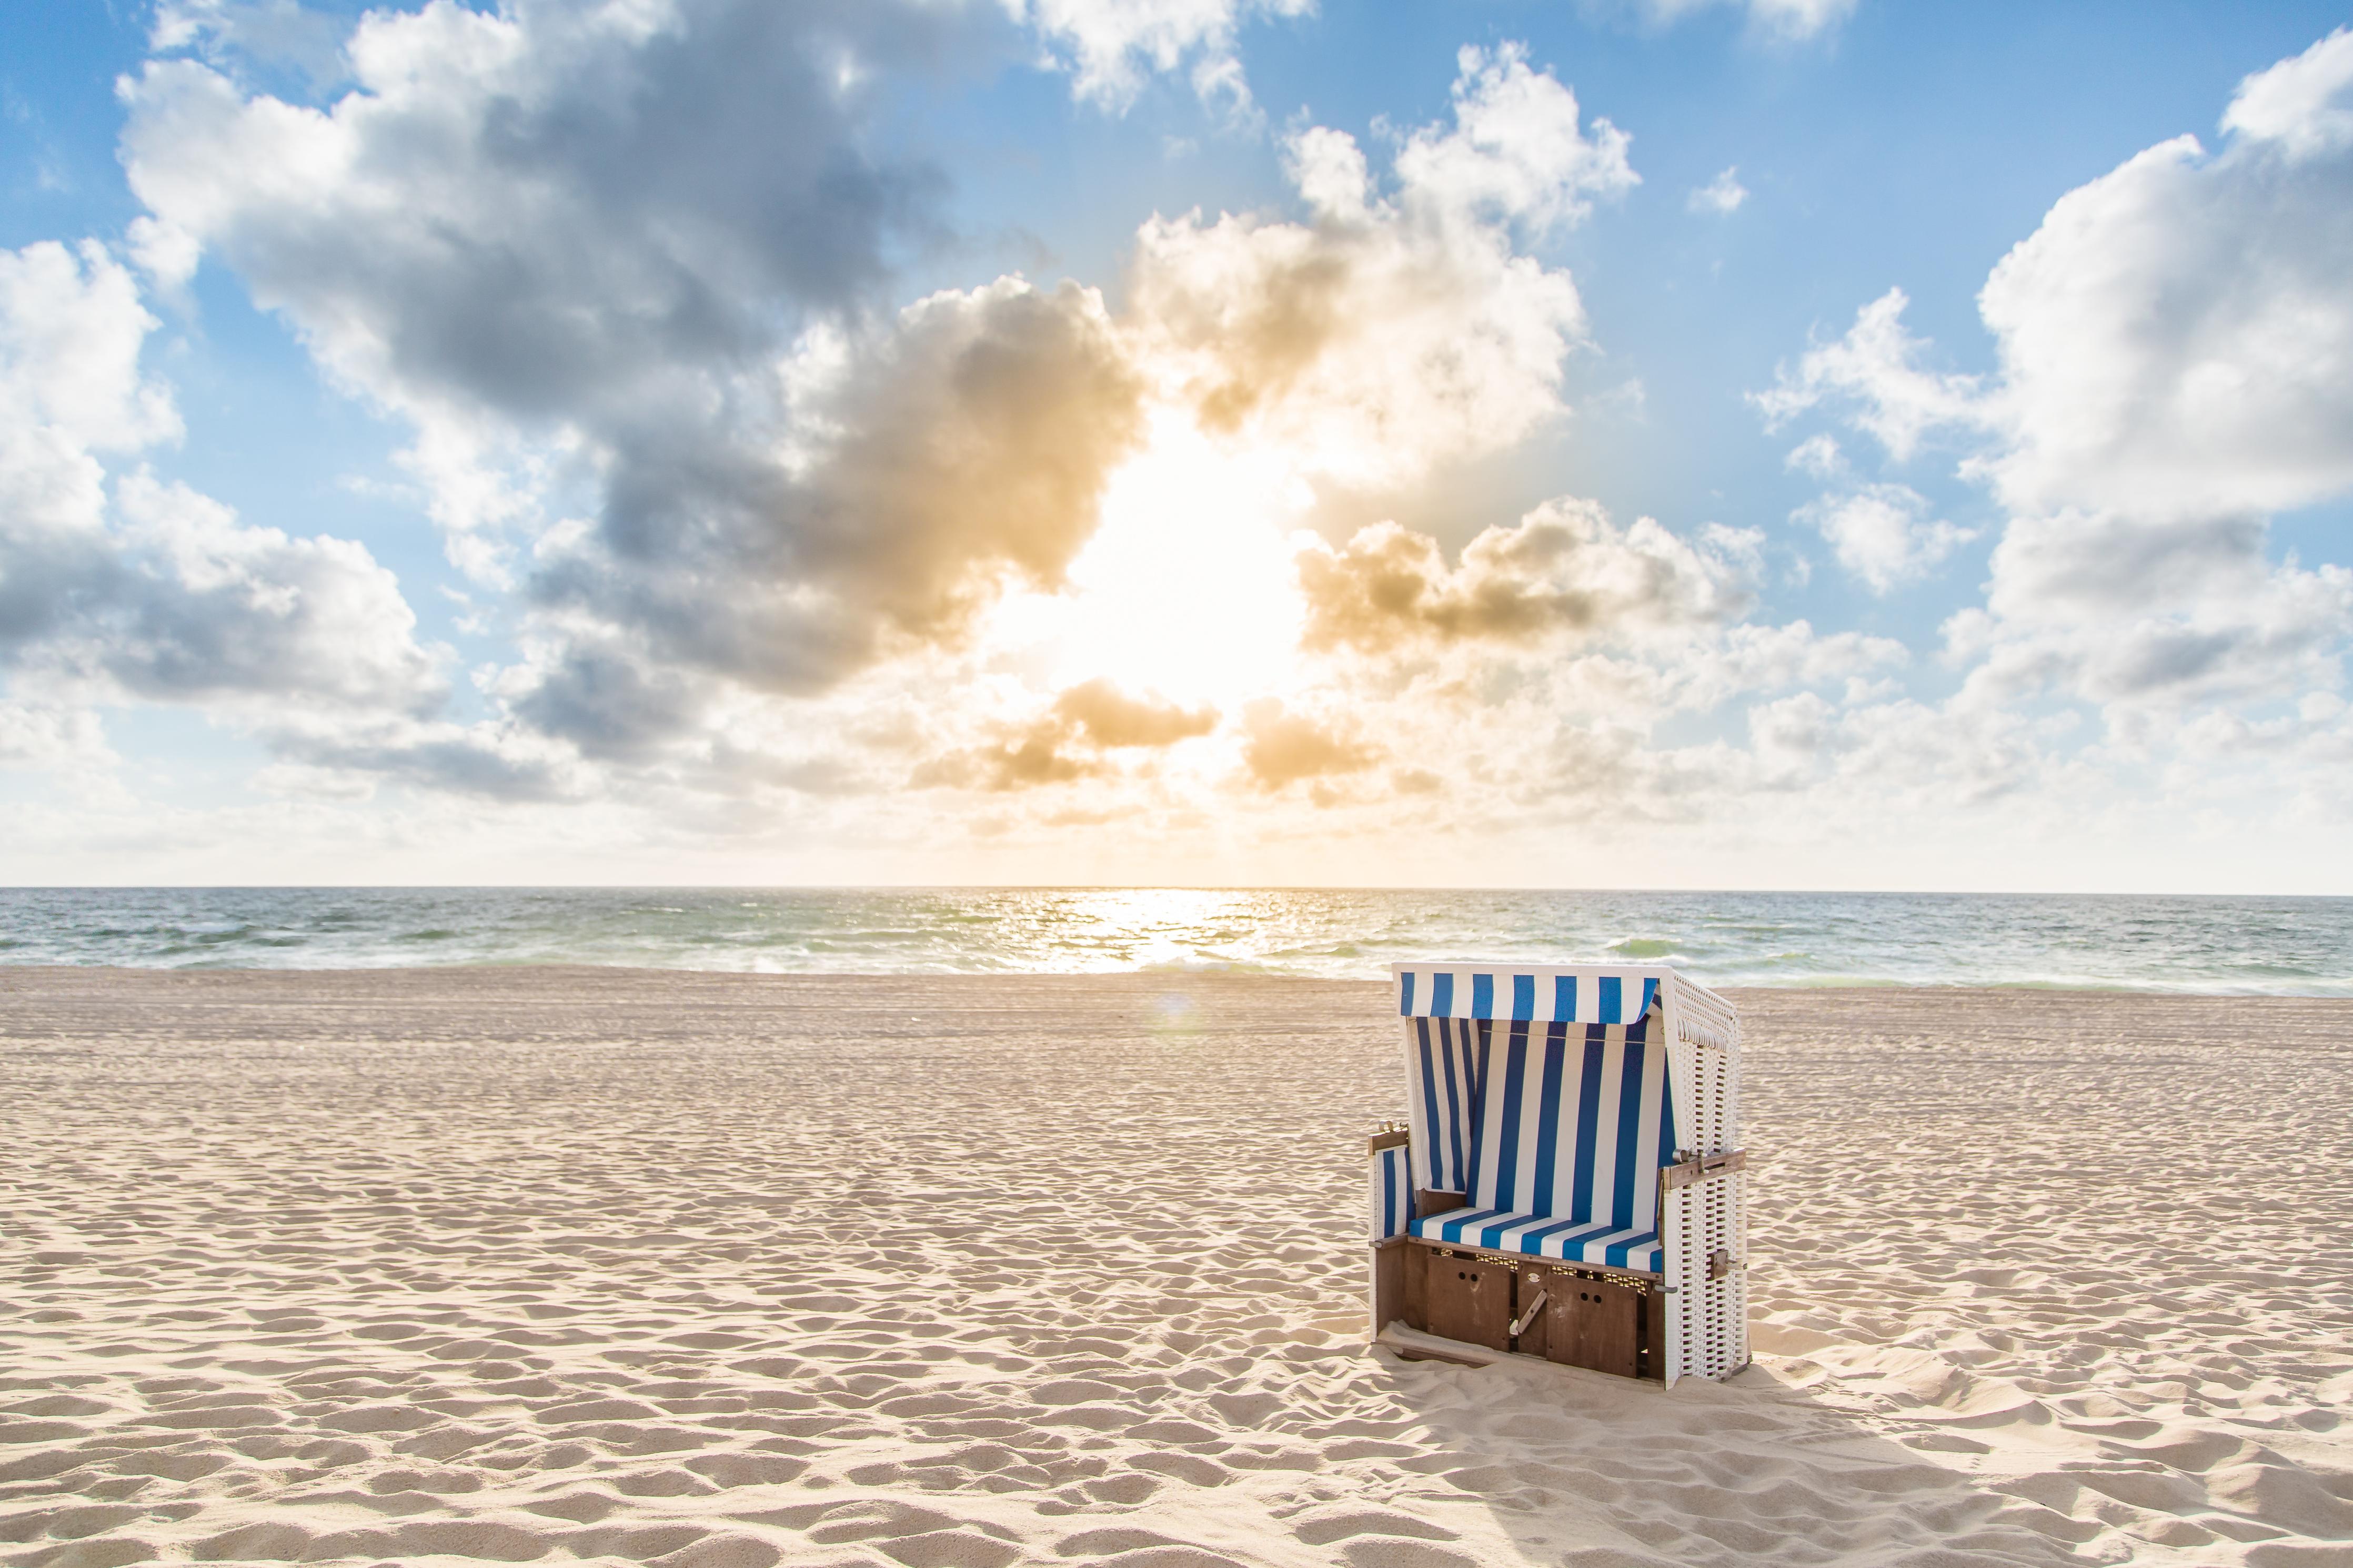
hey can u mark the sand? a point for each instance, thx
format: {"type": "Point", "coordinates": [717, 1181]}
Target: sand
{"type": "Point", "coordinates": [521, 1265]}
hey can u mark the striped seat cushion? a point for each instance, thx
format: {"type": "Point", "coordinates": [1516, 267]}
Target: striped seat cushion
{"type": "Point", "coordinates": [1542, 1235]}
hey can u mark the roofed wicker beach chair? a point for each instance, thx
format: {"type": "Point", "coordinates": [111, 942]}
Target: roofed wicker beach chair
{"type": "Point", "coordinates": [1569, 1184]}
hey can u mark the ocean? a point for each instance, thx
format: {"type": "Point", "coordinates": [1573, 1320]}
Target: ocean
{"type": "Point", "coordinates": [2243, 945]}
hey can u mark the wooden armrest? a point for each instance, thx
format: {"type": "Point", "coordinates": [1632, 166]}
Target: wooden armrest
{"type": "Point", "coordinates": [1388, 1138]}
{"type": "Point", "coordinates": [1700, 1167]}
{"type": "Point", "coordinates": [1433, 1200]}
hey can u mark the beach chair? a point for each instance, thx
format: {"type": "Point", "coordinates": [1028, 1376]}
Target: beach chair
{"type": "Point", "coordinates": [1569, 1183]}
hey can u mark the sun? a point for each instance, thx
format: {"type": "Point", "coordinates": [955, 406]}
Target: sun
{"type": "Point", "coordinates": [1186, 589]}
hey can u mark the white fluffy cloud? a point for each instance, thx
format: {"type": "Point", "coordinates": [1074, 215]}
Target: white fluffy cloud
{"type": "Point", "coordinates": [1873, 373]}
{"type": "Point", "coordinates": [1397, 327]}
{"type": "Point", "coordinates": [1880, 532]}
{"type": "Point", "coordinates": [553, 236]}
{"type": "Point", "coordinates": [1723, 196]}
{"type": "Point", "coordinates": [1515, 152]}
{"type": "Point", "coordinates": [208, 608]}
{"type": "Point", "coordinates": [2125, 612]}
{"type": "Point", "coordinates": [2175, 367]}
{"type": "Point", "coordinates": [2177, 354]}
{"type": "Point", "coordinates": [1112, 47]}
{"type": "Point", "coordinates": [2301, 103]}
{"type": "Point", "coordinates": [2177, 339]}
{"type": "Point", "coordinates": [71, 327]}
{"type": "Point", "coordinates": [52, 737]}
{"type": "Point", "coordinates": [279, 31]}
{"type": "Point", "coordinates": [1883, 533]}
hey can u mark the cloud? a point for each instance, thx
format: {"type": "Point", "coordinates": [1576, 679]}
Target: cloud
{"type": "Point", "coordinates": [2175, 367]}
{"type": "Point", "coordinates": [123, 588]}
{"type": "Point", "coordinates": [561, 222]}
{"type": "Point", "coordinates": [487, 761]}
{"type": "Point", "coordinates": [1110, 717]}
{"type": "Point", "coordinates": [642, 256]}
{"type": "Point", "coordinates": [1722, 195]}
{"type": "Point", "coordinates": [1069, 742]}
{"type": "Point", "coordinates": [613, 702]}
{"type": "Point", "coordinates": [1881, 534]}
{"type": "Point", "coordinates": [757, 522]}
{"type": "Point", "coordinates": [2174, 339]}
{"type": "Point", "coordinates": [206, 607]}
{"type": "Point", "coordinates": [2177, 337]}
{"type": "Point", "coordinates": [1280, 747]}
{"type": "Point", "coordinates": [270, 31]}
{"type": "Point", "coordinates": [1819, 454]}
{"type": "Point", "coordinates": [71, 329]}
{"type": "Point", "coordinates": [1392, 330]}
{"type": "Point", "coordinates": [2176, 344]}
{"type": "Point", "coordinates": [961, 446]}
{"type": "Point", "coordinates": [541, 213]}
{"type": "Point", "coordinates": [1562, 569]}
{"type": "Point", "coordinates": [2124, 610]}
{"type": "Point", "coordinates": [623, 275]}
{"type": "Point", "coordinates": [51, 737]}
{"type": "Point", "coordinates": [1875, 373]}
{"type": "Point", "coordinates": [1112, 47]}
{"type": "Point", "coordinates": [1786, 19]}
{"type": "Point", "coordinates": [2303, 104]}
{"type": "Point", "coordinates": [1515, 153]}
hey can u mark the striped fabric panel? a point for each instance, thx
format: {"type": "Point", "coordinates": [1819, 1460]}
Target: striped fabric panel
{"type": "Point", "coordinates": [1542, 995]}
{"type": "Point", "coordinates": [1392, 1205]}
{"type": "Point", "coordinates": [1573, 1122]}
{"type": "Point", "coordinates": [1446, 1065]}
{"type": "Point", "coordinates": [1542, 1235]}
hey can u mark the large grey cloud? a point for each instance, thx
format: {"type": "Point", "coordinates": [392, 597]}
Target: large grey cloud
{"type": "Point", "coordinates": [550, 211]}
{"type": "Point", "coordinates": [648, 248]}
{"type": "Point", "coordinates": [961, 446]}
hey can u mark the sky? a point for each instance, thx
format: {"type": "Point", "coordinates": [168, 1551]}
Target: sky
{"type": "Point", "coordinates": [1813, 444]}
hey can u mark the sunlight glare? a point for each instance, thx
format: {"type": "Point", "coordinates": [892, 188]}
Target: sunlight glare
{"type": "Point", "coordinates": [1187, 589]}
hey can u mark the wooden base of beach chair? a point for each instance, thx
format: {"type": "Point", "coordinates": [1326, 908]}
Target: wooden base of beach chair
{"type": "Point", "coordinates": [1599, 1319]}
{"type": "Point", "coordinates": [1597, 1322]}
{"type": "Point", "coordinates": [1467, 1298]}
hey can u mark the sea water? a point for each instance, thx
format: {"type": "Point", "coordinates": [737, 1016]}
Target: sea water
{"type": "Point", "coordinates": [2250, 945]}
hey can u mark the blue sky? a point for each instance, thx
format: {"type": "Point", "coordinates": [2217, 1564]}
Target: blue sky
{"type": "Point", "coordinates": [688, 441]}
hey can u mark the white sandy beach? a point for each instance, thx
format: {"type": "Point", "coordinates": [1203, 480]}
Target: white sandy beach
{"type": "Point", "coordinates": [622, 1266]}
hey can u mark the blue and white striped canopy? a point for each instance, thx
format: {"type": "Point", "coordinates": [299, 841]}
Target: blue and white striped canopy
{"type": "Point", "coordinates": [1537, 995]}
